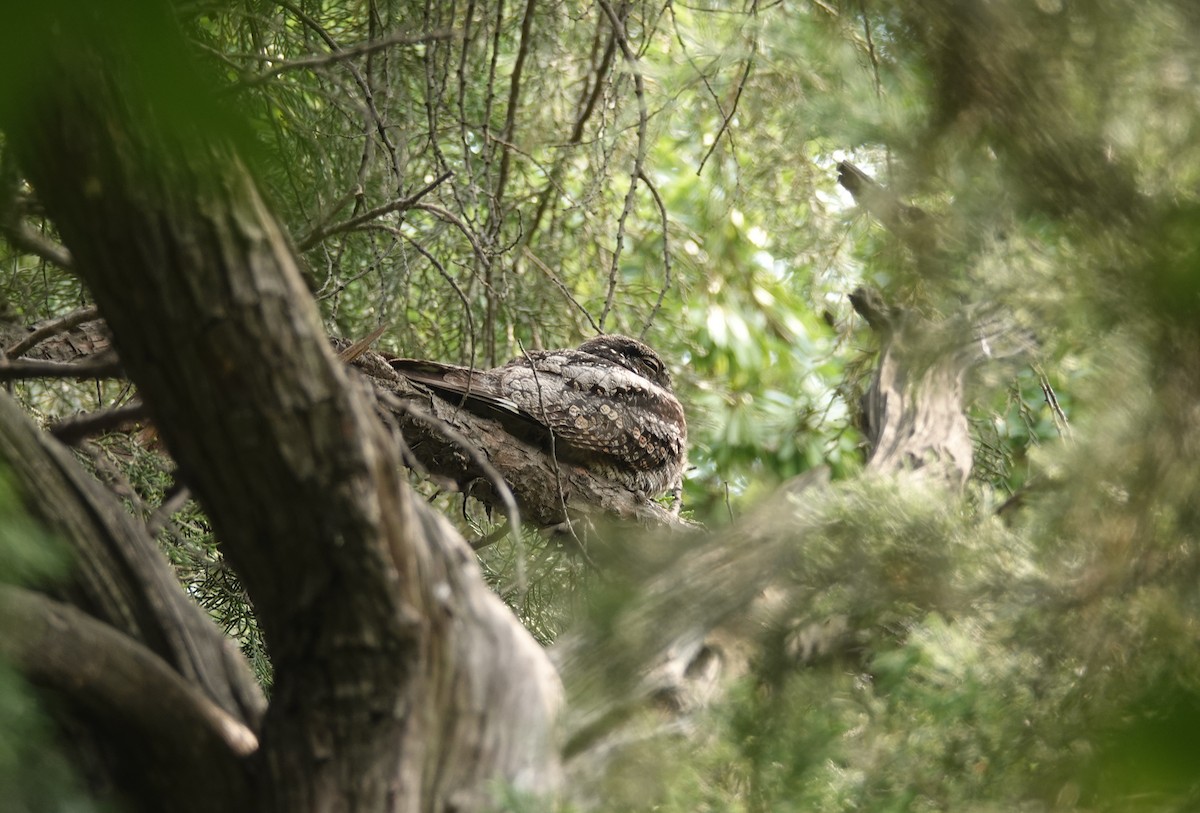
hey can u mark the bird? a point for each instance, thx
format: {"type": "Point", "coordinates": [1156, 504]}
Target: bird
{"type": "Point", "coordinates": [607, 405]}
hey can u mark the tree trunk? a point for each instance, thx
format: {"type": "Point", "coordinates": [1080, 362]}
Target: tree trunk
{"type": "Point", "coordinates": [401, 682]}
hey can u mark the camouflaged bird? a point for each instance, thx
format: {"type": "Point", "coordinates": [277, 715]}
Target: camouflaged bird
{"type": "Point", "coordinates": [606, 405]}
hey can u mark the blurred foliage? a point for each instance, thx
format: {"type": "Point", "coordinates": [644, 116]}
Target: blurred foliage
{"type": "Point", "coordinates": [34, 774]}
{"type": "Point", "coordinates": [1033, 648]}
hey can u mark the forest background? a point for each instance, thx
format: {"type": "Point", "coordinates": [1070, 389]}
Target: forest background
{"type": "Point", "coordinates": [486, 179]}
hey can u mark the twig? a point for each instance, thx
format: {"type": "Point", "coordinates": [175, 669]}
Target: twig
{"type": "Point", "coordinates": [26, 239]}
{"type": "Point", "coordinates": [514, 96]}
{"type": "Point", "coordinates": [176, 497]}
{"type": "Point", "coordinates": [340, 54]}
{"type": "Point", "coordinates": [361, 346]}
{"type": "Point", "coordinates": [52, 328]}
{"type": "Point", "coordinates": [441, 269]}
{"type": "Point", "coordinates": [1060, 417]}
{"type": "Point", "coordinates": [107, 367]}
{"type": "Point", "coordinates": [491, 539]}
{"type": "Point", "coordinates": [562, 500]}
{"type": "Point", "coordinates": [639, 85]}
{"type": "Point", "coordinates": [592, 95]}
{"type": "Point", "coordinates": [737, 97]}
{"type": "Point", "coordinates": [566, 292]}
{"type": "Point", "coordinates": [456, 221]}
{"type": "Point", "coordinates": [662, 210]}
{"type": "Point", "coordinates": [871, 49]}
{"type": "Point", "coordinates": [503, 492]}
{"type": "Point", "coordinates": [363, 86]}
{"type": "Point", "coordinates": [74, 429]}
{"type": "Point", "coordinates": [319, 234]}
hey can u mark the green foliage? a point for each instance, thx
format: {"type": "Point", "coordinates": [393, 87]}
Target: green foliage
{"type": "Point", "coordinates": [1045, 663]}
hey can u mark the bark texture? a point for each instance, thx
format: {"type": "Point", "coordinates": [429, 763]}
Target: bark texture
{"type": "Point", "coordinates": [400, 680]}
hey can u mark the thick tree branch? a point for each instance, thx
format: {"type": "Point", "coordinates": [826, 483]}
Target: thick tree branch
{"type": "Point", "coordinates": [115, 677]}
{"type": "Point", "coordinates": [388, 647]}
{"type": "Point", "coordinates": [121, 577]}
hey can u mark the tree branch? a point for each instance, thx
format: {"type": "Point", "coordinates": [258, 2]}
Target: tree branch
{"type": "Point", "coordinates": [52, 328]}
{"type": "Point", "coordinates": [59, 646]}
{"type": "Point", "coordinates": [400, 205]}
{"type": "Point", "coordinates": [22, 237]}
{"type": "Point", "coordinates": [397, 671]}
{"type": "Point", "coordinates": [340, 54]}
{"type": "Point", "coordinates": [123, 578]}
{"type": "Point", "coordinates": [74, 429]}
{"type": "Point", "coordinates": [170, 727]}
{"type": "Point", "coordinates": [101, 366]}
{"type": "Point", "coordinates": [639, 84]}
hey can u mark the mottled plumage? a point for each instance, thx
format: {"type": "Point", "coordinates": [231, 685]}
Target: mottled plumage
{"type": "Point", "coordinates": [607, 404]}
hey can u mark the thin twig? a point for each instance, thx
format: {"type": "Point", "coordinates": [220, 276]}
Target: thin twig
{"type": "Point", "coordinates": [490, 539]}
{"type": "Point", "coordinates": [737, 97]}
{"type": "Point", "coordinates": [441, 269]}
{"type": "Point", "coordinates": [514, 98]}
{"type": "Point", "coordinates": [566, 292]}
{"type": "Point", "coordinates": [340, 54]}
{"type": "Point", "coordinates": [662, 293]}
{"type": "Point", "coordinates": [591, 96]}
{"type": "Point", "coordinates": [52, 328]}
{"type": "Point", "coordinates": [174, 500]}
{"type": "Point", "coordinates": [1060, 417]}
{"type": "Point", "coordinates": [639, 85]}
{"type": "Point", "coordinates": [871, 49]}
{"type": "Point", "coordinates": [363, 86]}
{"type": "Point", "coordinates": [362, 345]}
{"type": "Point", "coordinates": [471, 450]}
{"type": "Point", "coordinates": [319, 234]}
{"type": "Point", "coordinates": [562, 500]}
{"type": "Point", "coordinates": [457, 222]}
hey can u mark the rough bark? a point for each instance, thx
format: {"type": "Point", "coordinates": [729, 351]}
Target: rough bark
{"type": "Point", "coordinates": [913, 411]}
{"type": "Point", "coordinates": [130, 697]}
{"type": "Point", "coordinates": [400, 681]}
{"type": "Point", "coordinates": [120, 577]}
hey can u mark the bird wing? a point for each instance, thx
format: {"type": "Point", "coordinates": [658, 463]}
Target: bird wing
{"type": "Point", "coordinates": [590, 411]}
{"type": "Point", "coordinates": [602, 409]}
{"type": "Point", "coordinates": [475, 390]}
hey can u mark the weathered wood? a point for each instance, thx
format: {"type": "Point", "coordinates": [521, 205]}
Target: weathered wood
{"type": "Point", "coordinates": [132, 697]}
{"type": "Point", "coordinates": [119, 575]}
{"type": "Point", "coordinates": [401, 682]}
{"type": "Point", "coordinates": [913, 411]}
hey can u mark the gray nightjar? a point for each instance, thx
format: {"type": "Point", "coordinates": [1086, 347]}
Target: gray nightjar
{"type": "Point", "coordinates": [607, 405]}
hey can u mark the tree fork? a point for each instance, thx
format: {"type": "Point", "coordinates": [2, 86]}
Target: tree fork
{"type": "Point", "coordinates": [383, 635]}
